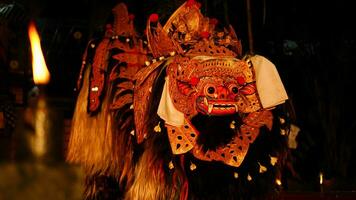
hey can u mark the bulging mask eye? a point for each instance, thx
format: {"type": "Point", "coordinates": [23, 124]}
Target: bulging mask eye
{"type": "Point", "coordinates": [233, 88]}
{"type": "Point", "coordinates": [209, 90]}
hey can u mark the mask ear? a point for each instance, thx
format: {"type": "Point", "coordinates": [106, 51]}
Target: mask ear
{"type": "Point", "coordinates": [269, 85]}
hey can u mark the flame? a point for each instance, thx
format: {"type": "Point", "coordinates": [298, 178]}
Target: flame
{"type": "Point", "coordinates": [321, 179]}
{"type": "Point", "coordinates": [39, 68]}
{"type": "Point", "coordinates": [278, 182]}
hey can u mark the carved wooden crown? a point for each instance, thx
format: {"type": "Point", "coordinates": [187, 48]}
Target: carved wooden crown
{"type": "Point", "coordinates": [189, 33]}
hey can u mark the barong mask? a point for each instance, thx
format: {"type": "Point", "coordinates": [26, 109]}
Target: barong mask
{"type": "Point", "coordinates": [206, 76]}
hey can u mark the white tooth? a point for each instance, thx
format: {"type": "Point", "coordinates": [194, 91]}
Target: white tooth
{"type": "Point", "coordinates": [205, 101]}
{"type": "Point", "coordinates": [236, 108]}
{"type": "Point", "coordinates": [215, 95]}
{"type": "Point", "coordinates": [210, 108]}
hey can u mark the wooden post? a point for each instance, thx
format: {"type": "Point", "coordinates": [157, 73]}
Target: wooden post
{"type": "Point", "coordinates": [249, 27]}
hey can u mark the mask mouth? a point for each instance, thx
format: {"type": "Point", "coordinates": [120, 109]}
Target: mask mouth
{"type": "Point", "coordinates": [216, 107]}
{"type": "Point", "coordinates": [215, 130]}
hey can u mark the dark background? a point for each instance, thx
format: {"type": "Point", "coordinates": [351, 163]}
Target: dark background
{"type": "Point", "coordinates": [311, 43]}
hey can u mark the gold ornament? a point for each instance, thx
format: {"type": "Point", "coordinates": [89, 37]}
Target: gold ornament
{"type": "Point", "coordinates": [232, 125]}
{"type": "Point", "coordinates": [170, 165]}
{"type": "Point", "coordinates": [273, 160]}
{"type": "Point", "coordinates": [263, 169]}
{"type": "Point", "coordinates": [249, 178]}
{"type": "Point", "coordinates": [192, 166]}
{"type": "Point", "coordinates": [157, 128]}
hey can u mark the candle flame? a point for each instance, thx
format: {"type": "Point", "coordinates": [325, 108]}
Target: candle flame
{"type": "Point", "coordinates": [321, 178]}
{"type": "Point", "coordinates": [39, 68]}
{"type": "Point", "coordinates": [278, 182]}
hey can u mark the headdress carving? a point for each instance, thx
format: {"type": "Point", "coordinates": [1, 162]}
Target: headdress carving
{"type": "Point", "coordinates": [188, 32]}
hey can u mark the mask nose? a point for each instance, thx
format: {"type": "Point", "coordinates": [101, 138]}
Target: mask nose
{"type": "Point", "coordinates": [222, 92]}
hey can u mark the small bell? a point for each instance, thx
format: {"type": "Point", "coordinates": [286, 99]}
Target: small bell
{"type": "Point", "coordinates": [273, 160]}
{"type": "Point", "coordinates": [170, 165]}
{"type": "Point", "coordinates": [282, 121]}
{"type": "Point", "coordinates": [263, 169]}
{"type": "Point", "coordinates": [232, 125]}
{"type": "Point", "coordinates": [192, 166]}
{"type": "Point", "coordinates": [249, 178]}
{"type": "Point", "coordinates": [283, 131]}
{"type": "Point", "coordinates": [157, 128]}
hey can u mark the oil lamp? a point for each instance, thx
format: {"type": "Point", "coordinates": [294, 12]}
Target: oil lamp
{"type": "Point", "coordinates": [43, 134]}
